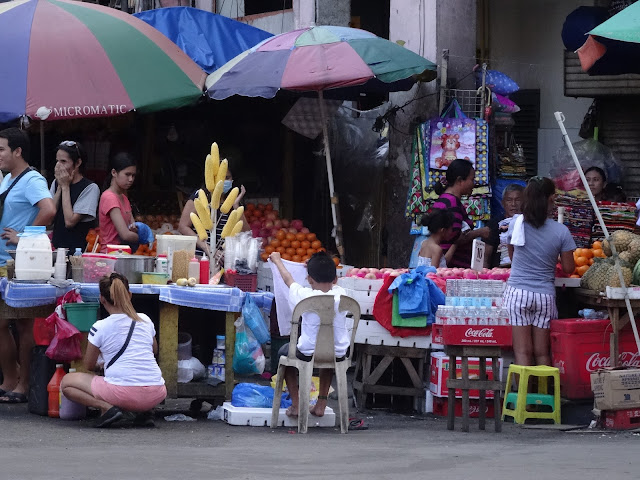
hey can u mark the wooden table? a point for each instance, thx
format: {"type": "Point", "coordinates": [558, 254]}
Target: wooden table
{"type": "Point", "coordinates": [19, 302]}
{"type": "Point", "coordinates": [481, 384]}
{"type": "Point", "coordinates": [618, 315]}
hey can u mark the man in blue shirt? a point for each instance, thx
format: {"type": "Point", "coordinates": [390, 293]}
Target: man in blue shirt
{"type": "Point", "coordinates": [27, 203]}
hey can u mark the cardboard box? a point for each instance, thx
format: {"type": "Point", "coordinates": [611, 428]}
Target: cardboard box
{"type": "Point", "coordinates": [439, 373]}
{"type": "Point", "coordinates": [616, 389]}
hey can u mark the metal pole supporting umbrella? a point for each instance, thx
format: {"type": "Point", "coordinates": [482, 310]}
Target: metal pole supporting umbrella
{"type": "Point", "coordinates": [560, 119]}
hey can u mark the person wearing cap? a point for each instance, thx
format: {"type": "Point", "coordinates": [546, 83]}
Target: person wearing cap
{"type": "Point", "coordinates": [74, 196]}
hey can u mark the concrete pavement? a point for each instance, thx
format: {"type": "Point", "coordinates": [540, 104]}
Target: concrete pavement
{"type": "Point", "coordinates": [395, 446]}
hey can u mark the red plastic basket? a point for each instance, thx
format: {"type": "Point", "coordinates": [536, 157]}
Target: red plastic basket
{"type": "Point", "coordinates": [246, 283]}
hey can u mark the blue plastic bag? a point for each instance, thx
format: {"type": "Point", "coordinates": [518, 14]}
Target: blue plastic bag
{"type": "Point", "coordinates": [256, 396]}
{"type": "Point", "coordinates": [254, 320]}
{"type": "Point", "coordinates": [248, 357]}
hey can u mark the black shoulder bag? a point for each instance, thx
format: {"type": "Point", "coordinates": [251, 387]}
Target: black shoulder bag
{"type": "Point", "coordinates": [3, 195]}
{"type": "Point", "coordinates": [124, 347]}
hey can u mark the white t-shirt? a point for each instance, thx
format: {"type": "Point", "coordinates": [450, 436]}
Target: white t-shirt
{"type": "Point", "coordinates": [311, 321]}
{"type": "Point", "coordinates": [136, 366]}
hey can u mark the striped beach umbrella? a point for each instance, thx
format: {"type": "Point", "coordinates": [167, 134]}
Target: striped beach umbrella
{"type": "Point", "coordinates": [64, 59]}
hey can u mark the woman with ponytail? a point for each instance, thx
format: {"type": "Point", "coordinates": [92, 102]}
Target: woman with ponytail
{"type": "Point", "coordinates": [126, 340]}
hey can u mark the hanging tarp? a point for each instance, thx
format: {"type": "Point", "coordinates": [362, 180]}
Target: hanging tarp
{"type": "Point", "coordinates": [209, 39]}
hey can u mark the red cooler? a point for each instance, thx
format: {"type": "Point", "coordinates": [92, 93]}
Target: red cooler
{"type": "Point", "coordinates": [580, 347]}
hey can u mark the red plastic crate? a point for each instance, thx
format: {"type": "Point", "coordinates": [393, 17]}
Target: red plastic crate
{"type": "Point", "coordinates": [441, 407]}
{"type": "Point", "coordinates": [492, 335]}
{"type": "Point", "coordinates": [580, 347]}
{"type": "Point", "coordinates": [622, 419]}
{"type": "Point", "coordinates": [246, 283]}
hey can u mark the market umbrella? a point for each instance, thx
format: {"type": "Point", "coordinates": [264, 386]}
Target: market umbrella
{"type": "Point", "coordinates": [209, 39]}
{"type": "Point", "coordinates": [65, 59]}
{"type": "Point", "coordinates": [612, 46]}
{"type": "Point", "coordinates": [339, 60]}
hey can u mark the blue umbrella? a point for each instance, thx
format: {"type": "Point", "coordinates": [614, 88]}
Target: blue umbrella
{"type": "Point", "coordinates": [209, 39]}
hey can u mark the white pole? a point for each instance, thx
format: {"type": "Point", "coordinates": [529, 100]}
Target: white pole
{"type": "Point", "coordinates": [560, 119]}
{"type": "Point", "coordinates": [332, 199]}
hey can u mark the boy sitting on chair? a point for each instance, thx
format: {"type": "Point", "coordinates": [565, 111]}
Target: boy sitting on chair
{"type": "Point", "coordinates": [322, 278]}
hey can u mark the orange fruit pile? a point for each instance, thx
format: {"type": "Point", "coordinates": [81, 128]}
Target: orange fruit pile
{"type": "Point", "coordinates": [296, 247]}
{"type": "Point", "coordinates": [584, 257]}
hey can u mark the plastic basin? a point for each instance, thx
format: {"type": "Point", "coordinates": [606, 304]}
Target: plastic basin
{"type": "Point", "coordinates": [82, 315]}
{"type": "Point", "coordinates": [154, 278]}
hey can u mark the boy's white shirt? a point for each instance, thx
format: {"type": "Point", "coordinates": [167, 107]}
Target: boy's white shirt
{"type": "Point", "coordinates": [311, 321]}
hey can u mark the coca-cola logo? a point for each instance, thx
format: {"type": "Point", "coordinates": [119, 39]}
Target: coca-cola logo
{"type": "Point", "coordinates": [597, 361]}
{"type": "Point", "coordinates": [482, 333]}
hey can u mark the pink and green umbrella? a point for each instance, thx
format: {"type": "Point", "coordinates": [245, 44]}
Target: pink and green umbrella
{"type": "Point", "coordinates": [64, 59]}
{"type": "Point", "coordinates": [341, 61]}
{"type": "Point", "coordinates": [320, 58]}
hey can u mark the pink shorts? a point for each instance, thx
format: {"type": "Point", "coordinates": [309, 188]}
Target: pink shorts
{"type": "Point", "coordinates": [133, 399]}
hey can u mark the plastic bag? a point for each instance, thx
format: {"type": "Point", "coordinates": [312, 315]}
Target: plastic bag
{"type": "Point", "coordinates": [591, 153]}
{"type": "Point", "coordinates": [256, 396]}
{"type": "Point", "coordinates": [191, 369]}
{"type": "Point", "coordinates": [248, 357]}
{"type": "Point", "coordinates": [254, 320]}
{"type": "Point", "coordinates": [65, 346]}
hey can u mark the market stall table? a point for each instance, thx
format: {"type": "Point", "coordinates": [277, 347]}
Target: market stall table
{"type": "Point", "coordinates": [617, 314]}
{"type": "Point", "coordinates": [25, 300]}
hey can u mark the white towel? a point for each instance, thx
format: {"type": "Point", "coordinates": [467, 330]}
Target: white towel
{"type": "Point", "coordinates": [517, 234]}
{"type": "Point", "coordinates": [281, 292]}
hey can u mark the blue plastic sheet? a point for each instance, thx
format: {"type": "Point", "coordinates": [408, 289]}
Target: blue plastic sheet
{"type": "Point", "coordinates": [256, 396]}
{"type": "Point", "coordinates": [209, 39]}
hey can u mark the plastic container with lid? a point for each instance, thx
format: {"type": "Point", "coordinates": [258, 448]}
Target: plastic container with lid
{"type": "Point", "coordinates": [70, 410]}
{"type": "Point", "coordinates": [176, 243]}
{"type": "Point", "coordinates": [34, 257]}
{"type": "Point", "coordinates": [162, 264]}
{"type": "Point", "coordinates": [96, 265]}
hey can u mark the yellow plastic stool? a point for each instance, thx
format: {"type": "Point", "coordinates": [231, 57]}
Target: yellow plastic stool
{"type": "Point", "coordinates": [520, 414]}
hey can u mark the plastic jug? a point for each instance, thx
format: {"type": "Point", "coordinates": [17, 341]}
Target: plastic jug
{"type": "Point", "coordinates": [54, 391]}
{"type": "Point", "coordinates": [34, 258]}
{"type": "Point", "coordinates": [70, 410]}
{"type": "Point", "coordinates": [194, 269]}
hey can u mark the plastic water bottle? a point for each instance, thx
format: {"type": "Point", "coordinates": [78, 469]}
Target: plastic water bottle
{"type": "Point", "coordinates": [54, 391]}
{"type": "Point", "coordinates": [471, 316]}
{"type": "Point", "coordinates": [493, 316]}
{"type": "Point", "coordinates": [70, 410]}
{"type": "Point", "coordinates": [482, 316]}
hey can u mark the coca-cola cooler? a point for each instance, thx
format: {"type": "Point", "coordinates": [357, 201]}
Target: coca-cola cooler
{"type": "Point", "coordinates": [579, 347]}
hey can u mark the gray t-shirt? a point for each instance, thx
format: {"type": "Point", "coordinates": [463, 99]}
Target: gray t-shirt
{"type": "Point", "coordinates": [534, 264]}
{"type": "Point", "coordinates": [87, 202]}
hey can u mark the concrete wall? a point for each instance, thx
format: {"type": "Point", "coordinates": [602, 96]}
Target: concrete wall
{"type": "Point", "coordinates": [525, 43]}
{"type": "Point", "coordinates": [273, 22]}
{"type": "Point", "coordinates": [230, 8]}
{"type": "Point", "coordinates": [426, 27]}
{"type": "Point", "coordinates": [333, 12]}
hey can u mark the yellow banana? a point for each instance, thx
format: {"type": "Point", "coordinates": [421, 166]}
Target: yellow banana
{"type": "Point", "coordinates": [215, 196]}
{"type": "Point", "coordinates": [215, 156]}
{"type": "Point", "coordinates": [237, 229]}
{"type": "Point", "coordinates": [226, 230]}
{"type": "Point", "coordinates": [209, 174]}
{"type": "Point", "coordinates": [203, 213]}
{"type": "Point", "coordinates": [228, 203]}
{"type": "Point", "coordinates": [222, 171]}
{"type": "Point", "coordinates": [197, 224]}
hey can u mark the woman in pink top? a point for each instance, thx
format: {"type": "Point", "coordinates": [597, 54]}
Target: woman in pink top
{"type": "Point", "coordinates": [116, 221]}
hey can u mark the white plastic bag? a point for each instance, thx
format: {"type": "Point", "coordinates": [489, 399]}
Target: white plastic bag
{"type": "Point", "coordinates": [191, 369]}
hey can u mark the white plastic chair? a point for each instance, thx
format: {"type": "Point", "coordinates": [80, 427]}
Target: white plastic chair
{"type": "Point", "coordinates": [323, 357]}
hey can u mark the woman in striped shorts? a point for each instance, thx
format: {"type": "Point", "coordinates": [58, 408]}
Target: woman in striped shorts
{"type": "Point", "coordinates": [535, 243]}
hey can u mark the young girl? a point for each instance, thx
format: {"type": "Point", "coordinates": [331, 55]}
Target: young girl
{"type": "Point", "coordinates": [535, 242]}
{"type": "Point", "coordinates": [116, 222]}
{"type": "Point", "coordinates": [440, 224]}
{"type": "Point", "coordinates": [127, 341]}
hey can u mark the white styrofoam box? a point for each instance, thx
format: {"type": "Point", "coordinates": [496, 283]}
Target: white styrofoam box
{"type": "Point", "coordinates": [428, 401]}
{"type": "Point", "coordinates": [261, 417]}
{"type": "Point", "coordinates": [371, 332]}
{"type": "Point", "coordinates": [567, 282]}
{"type": "Point", "coordinates": [341, 272]}
{"type": "Point", "coordinates": [365, 298]}
{"type": "Point", "coordinates": [362, 284]}
{"type": "Point", "coordinates": [618, 293]}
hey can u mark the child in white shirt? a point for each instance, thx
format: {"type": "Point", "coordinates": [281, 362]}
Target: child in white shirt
{"type": "Point", "coordinates": [322, 278]}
